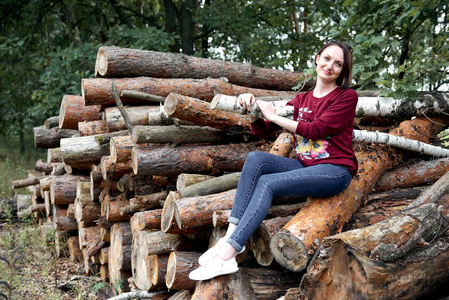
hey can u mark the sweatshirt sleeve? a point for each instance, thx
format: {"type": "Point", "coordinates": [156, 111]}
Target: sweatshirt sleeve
{"type": "Point", "coordinates": [262, 128]}
{"type": "Point", "coordinates": [333, 120]}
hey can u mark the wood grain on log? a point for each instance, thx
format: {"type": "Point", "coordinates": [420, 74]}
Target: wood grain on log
{"type": "Point", "coordinates": [124, 62]}
{"type": "Point", "coordinates": [50, 138]}
{"type": "Point", "coordinates": [138, 115]}
{"type": "Point", "coordinates": [199, 112]}
{"type": "Point", "coordinates": [169, 161]}
{"type": "Point", "coordinates": [179, 265]}
{"type": "Point", "coordinates": [93, 127]}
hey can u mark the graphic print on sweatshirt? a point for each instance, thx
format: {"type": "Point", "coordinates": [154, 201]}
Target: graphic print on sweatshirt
{"type": "Point", "coordinates": [306, 148]}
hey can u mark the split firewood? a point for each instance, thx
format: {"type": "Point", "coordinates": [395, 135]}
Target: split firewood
{"type": "Point", "coordinates": [50, 138]}
{"type": "Point", "coordinates": [119, 254]}
{"type": "Point", "coordinates": [212, 186]}
{"type": "Point", "coordinates": [180, 134]}
{"type": "Point", "coordinates": [200, 112]}
{"type": "Point", "coordinates": [93, 127]}
{"type": "Point", "coordinates": [320, 217]}
{"type": "Point", "coordinates": [423, 172]}
{"type": "Point", "coordinates": [124, 62]}
{"type": "Point", "coordinates": [169, 161]}
{"type": "Point", "coordinates": [138, 115]}
{"type": "Point", "coordinates": [97, 91]}
{"type": "Point", "coordinates": [179, 265]}
{"type": "Point", "coordinates": [72, 111]}
{"type": "Point", "coordinates": [405, 243]}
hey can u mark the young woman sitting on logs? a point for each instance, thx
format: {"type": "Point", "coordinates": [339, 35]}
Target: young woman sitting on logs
{"type": "Point", "coordinates": [324, 165]}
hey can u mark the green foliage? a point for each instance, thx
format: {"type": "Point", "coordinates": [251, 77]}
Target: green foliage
{"type": "Point", "coordinates": [444, 135]}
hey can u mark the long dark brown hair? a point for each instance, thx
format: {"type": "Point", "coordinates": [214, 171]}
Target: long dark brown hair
{"type": "Point", "coordinates": [344, 80]}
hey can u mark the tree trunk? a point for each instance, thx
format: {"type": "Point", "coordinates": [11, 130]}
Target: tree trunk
{"type": "Point", "coordinates": [178, 134]}
{"type": "Point", "coordinates": [87, 210]}
{"type": "Point", "coordinates": [194, 211]}
{"type": "Point", "coordinates": [179, 265]}
{"type": "Point", "coordinates": [145, 220]}
{"type": "Point", "coordinates": [63, 188]}
{"type": "Point", "coordinates": [50, 138]}
{"type": "Point", "coordinates": [200, 112]}
{"type": "Point", "coordinates": [169, 161]}
{"type": "Point", "coordinates": [60, 220]}
{"type": "Point", "coordinates": [98, 91]}
{"type": "Point", "coordinates": [122, 62]}
{"type": "Point", "coordinates": [73, 110]}
{"type": "Point", "coordinates": [52, 122]}
{"type": "Point", "coordinates": [325, 216]}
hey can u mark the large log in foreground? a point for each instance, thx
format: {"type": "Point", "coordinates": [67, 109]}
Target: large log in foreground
{"type": "Point", "coordinates": [98, 90]}
{"type": "Point", "coordinates": [169, 161]}
{"type": "Point", "coordinates": [321, 217]}
{"type": "Point", "coordinates": [72, 111]}
{"type": "Point", "coordinates": [124, 62]}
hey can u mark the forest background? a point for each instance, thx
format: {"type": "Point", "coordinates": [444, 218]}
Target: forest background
{"type": "Point", "coordinates": [47, 46]}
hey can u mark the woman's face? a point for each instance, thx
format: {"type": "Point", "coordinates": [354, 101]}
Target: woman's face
{"type": "Point", "coordinates": [329, 64]}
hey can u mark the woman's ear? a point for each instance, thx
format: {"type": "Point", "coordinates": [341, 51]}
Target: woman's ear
{"type": "Point", "coordinates": [317, 57]}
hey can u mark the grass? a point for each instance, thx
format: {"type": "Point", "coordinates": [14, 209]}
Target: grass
{"type": "Point", "coordinates": [13, 165]}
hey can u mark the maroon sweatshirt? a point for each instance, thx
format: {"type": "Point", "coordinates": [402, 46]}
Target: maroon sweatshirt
{"type": "Point", "coordinates": [324, 131]}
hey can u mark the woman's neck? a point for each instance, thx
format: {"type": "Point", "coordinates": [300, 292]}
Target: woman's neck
{"type": "Point", "coordinates": [322, 89]}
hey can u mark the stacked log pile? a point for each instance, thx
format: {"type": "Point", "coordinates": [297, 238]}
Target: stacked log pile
{"type": "Point", "coordinates": [141, 175]}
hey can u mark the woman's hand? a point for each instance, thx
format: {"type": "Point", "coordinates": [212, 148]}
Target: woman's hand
{"type": "Point", "coordinates": [268, 109]}
{"type": "Point", "coordinates": [247, 101]}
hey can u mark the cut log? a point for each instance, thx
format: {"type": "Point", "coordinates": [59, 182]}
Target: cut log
{"type": "Point", "coordinates": [87, 210]}
{"type": "Point", "coordinates": [121, 148]}
{"type": "Point", "coordinates": [419, 173]}
{"type": "Point", "coordinates": [82, 152]}
{"type": "Point", "coordinates": [220, 217]}
{"type": "Point", "coordinates": [23, 201]}
{"type": "Point", "coordinates": [119, 254]}
{"type": "Point", "coordinates": [138, 115]}
{"type": "Point", "coordinates": [54, 155]}
{"type": "Point", "coordinates": [20, 183]}
{"type": "Point", "coordinates": [142, 203]}
{"type": "Point", "coordinates": [140, 95]}
{"type": "Point", "coordinates": [169, 161]}
{"type": "Point", "coordinates": [93, 127]}
{"type": "Point", "coordinates": [63, 188]}
{"type": "Point", "coordinates": [72, 111]}
{"type": "Point", "coordinates": [98, 91]}
{"type": "Point", "coordinates": [212, 186]}
{"type": "Point", "coordinates": [47, 168]}
{"type": "Point", "coordinates": [110, 208]}
{"type": "Point", "coordinates": [50, 138]}
{"type": "Point", "coordinates": [283, 145]}
{"type": "Point", "coordinates": [123, 62]}
{"type": "Point", "coordinates": [179, 265]}
{"type": "Point", "coordinates": [111, 170]}
{"type": "Point", "coordinates": [74, 249]}
{"type": "Point", "coordinates": [150, 219]}
{"type": "Point", "coordinates": [60, 220]}
{"type": "Point", "coordinates": [321, 217]}
{"type": "Point", "coordinates": [178, 134]}
{"type": "Point", "coordinates": [35, 208]}
{"type": "Point", "coordinates": [131, 182]}
{"type": "Point", "coordinates": [52, 122]}
{"type": "Point", "coordinates": [199, 112]}
{"type": "Point", "coordinates": [185, 179]}
{"type": "Point", "coordinates": [103, 255]}
{"type": "Point", "coordinates": [272, 283]}
{"type": "Point", "coordinates": [194, 211]}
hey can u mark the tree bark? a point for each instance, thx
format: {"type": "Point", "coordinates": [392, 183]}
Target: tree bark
{"type": "Point", "coordinates": [145, 220]}
{"type": "Point", "coordinates": [179, 265]}
{"type": "Point", "coordinates": [194, 211]}
{"type": "Point", "coordinates": [50, 138]}
{"type": "Point", "coordinates": [138, 115]}
{"type": "Point", "coordinates": [72, 111]}
{"type": "Point", "coordinates": [93, 127]}
{"type": "Point", "coordinates": [98, 91]}
{"type": "Point", "coordinates": [121, 148]}
{"type": "Point", "coordinates": [119, 254]}
{"type": "Point", "coordinates": [170, 162]}
{"type": "Point", "coordinates": [47, 168]}
{"type": "Point", "coordinates": [83, 152]}
{"type": "Point", "coordinates": [325, 216]}
{"type": "Point", "coordinates": [111, 170]}
{"type": "Point", "coordinates": [419, 173]}
{"type": "Point", "coordinates": [87, 210]}
{"type": "Point", "coordinates": [185, 179]}
{"type": "Point", "coordinates": [52, 122]}
{"type": "Point", "coordinates": [212, 186]}
{"type": "Point", "coordinates": [200, 112]}
{"type": "Point", "coordinates": [63, 188]}
{"type": "Point", "coordinates": [142, 203]}
{"type": "Point", "coordinates": [178, 134]}
{"type": "Point", "coordinates": [123, 62]}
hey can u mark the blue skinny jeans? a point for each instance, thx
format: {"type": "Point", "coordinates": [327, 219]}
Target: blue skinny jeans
{"type": "Point", "coordinates": [265, 176]}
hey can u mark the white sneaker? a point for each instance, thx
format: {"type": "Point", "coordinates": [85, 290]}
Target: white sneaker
{"type": "Point", "coordinates": [214, 267]}
{"type": "Point", "coordinates": [215, 250]}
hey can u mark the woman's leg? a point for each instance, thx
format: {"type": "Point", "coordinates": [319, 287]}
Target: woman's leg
{"type": "Point", "coordinates": [321, 180]}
